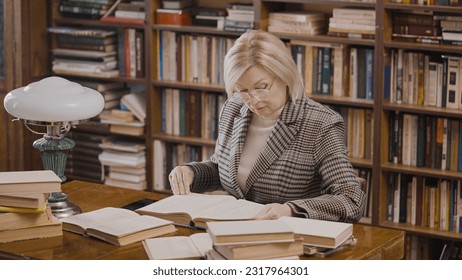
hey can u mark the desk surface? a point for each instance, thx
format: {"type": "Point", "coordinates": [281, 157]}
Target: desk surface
{"type": "Point", "coordinates": [373, 242]}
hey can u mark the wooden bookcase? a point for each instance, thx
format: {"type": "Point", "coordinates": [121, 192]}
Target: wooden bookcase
{"type": "Point", "coordinates": [387, 108]}
{"type": "Point", "coordinates": [25, 59]}
{"type": "Point", "coordinates": [381, 108]}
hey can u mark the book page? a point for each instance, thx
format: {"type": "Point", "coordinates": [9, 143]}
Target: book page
{"type": "Point", "coordinates": [202, 241]}
{"type": "Point", "coordinates": [95, 218]}
{"type": "Point", "coordinates": [171, 248]}
{"type": "Point", "coordinates": [127, 225]}
{"type": "Point", "coordinates": [234, 210]}
{"type": "Point", "coordinates": [241, 228]}
{"type": "Point", "coordinates": [313, 227]}
{"type": "Point", "coordinates": [193, 204]}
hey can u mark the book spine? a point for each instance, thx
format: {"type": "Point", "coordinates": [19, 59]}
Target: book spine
{"type": "Point", "coordinates": [326, 70]}
{"type": "Point", "coordinates": [369, 74]}
{"type": "Point", "coordinates": [453, 83]}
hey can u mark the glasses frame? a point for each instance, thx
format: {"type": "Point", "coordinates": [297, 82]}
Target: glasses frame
{"type": "Point", "coordinates": [259, 94]}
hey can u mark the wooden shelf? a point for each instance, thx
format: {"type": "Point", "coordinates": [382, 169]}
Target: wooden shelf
{"type": "Point", "coordinates": [422, 171]}
{"type": "Point", "coordinates": [419, 109]}
{"type": "Point", "coordinates": [336, 3]}
{"type": "Point", "coordinates": [96, 23]}
{"type": "Point", "coordinates": [423, 231]}
{"type": "Point", "coordinates": [343, 101]}
{"type": "Point", "coordinates": [185, 140]}
{"type": "Point", "coordinates": [191, 86]}
{"type": "Point", "coordinates": [422, 8]}
{"type": "Point", "coordinates": [437, 48]}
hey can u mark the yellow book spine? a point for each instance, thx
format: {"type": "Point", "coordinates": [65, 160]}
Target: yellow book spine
{"type": "Point", "coordinates": [41, 209]}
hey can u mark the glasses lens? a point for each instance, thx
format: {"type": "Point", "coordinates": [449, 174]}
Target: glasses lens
{"type": "Point", "coordinates": [260, 94]}
{"type": "Point", "coordinates": [241, 97]}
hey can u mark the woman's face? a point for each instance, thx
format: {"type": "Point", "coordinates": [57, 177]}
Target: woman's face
{"type": "Point", "coordinates": [261, 91]}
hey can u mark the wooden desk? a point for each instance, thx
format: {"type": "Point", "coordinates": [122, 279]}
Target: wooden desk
{"type": "Point", "coordinates": [373, 242]}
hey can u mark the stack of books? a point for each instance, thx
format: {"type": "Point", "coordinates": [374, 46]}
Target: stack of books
{"type": "Point", "coordinates": [131, 10]}
{"type": "Point", "coordinates": [297, 23]}
{"type": "Point", "coordinates": [82, 161]}
{"type": "Point", "coordinates": [85, 52]}
{"type": "Point", "coordinates": [214, 17]}
{"type": "Point", "coordinates": [125, 161]}
{"type": "Point", "coordinates": [352, 23]}
{"type": "Point", "coordinates": [112, 91]}
{"type": "Point", "coordinates": [240, 17]}
{"type": "Point", "coordinates": [253, 240]}
{"type": "Point", "coordinates": [230, 240]}
{"type": "Point", "coordinates": [129, 117]}
{"type": "Point", "coordinates": [321, 237]}
{"type": "Point", "coordinates": [24, 213]}
{"type": "Point", "coordinates": [174, 12]}
{"type": "Point", "coordinates": [126, 11]}
{"type": "Point", "coordinates": [419, 28]}
{"type": "Point", "coordinates": [451, 27]}
{"type": "Point", "coordinates": [85, 8]}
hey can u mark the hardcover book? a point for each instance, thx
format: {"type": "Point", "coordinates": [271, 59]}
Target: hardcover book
{"type": "Point", "coordinates": [117, 226]}
{"type": "Point", "coordinates": [11, 220]}
{"type": "Point", "coordinates": [259, 251]}
{"type": "Point", "coordinates": [250, 232]}
{"type": "Point", "coordinates": [197, 209]}
{"type": "Point", "coordinates": [26, 200]}
{"type": "Point", "coordinates": [319, 233]}
{"type": "Point", "coordinates": [51, 229]}
{"type": "Point", "coordinates": [193, 247]}
{"type": "Point", "coordinates": [36, 181]}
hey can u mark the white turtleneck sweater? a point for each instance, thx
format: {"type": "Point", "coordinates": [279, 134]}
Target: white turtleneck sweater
{"type": "Point", "coordinates": [257, 134]}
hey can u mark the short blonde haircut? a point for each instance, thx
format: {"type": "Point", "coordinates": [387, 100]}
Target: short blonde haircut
{"type": "Point", "coordinates": [265, 50]}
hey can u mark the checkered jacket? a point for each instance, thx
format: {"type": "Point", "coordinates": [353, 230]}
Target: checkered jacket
{"type": "Point", "coordinates": [304, 163]}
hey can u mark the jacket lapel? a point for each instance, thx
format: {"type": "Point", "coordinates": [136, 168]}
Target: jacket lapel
{"type": "Point", "coordinates": [241, 124]}
{"type": "Point", "coordinates": [283, 134]}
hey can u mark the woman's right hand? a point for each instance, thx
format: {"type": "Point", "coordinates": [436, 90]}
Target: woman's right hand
{"type": "Point", "coordinates": [181, 179]}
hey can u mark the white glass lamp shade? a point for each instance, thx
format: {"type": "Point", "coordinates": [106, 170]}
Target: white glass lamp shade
{"type": "Point", "coordinates": [54, 99]}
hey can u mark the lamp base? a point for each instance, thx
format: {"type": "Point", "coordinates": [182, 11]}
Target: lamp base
{"type": "Point", "coordinates": [63, 209]}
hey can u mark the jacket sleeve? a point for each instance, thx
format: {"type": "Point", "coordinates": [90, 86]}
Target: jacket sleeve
{"type": "Point", "coordinates": [206, 176]}
{"type": "Point", "coordinates": [341, 197]}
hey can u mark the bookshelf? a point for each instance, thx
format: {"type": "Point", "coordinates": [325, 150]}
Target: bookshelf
{"type": "Point", "coordinates": [157, 81]}
{"type": "Point", "coordinates": [130, 51]}
{"type": "Point", "coordinates": [440, 225]}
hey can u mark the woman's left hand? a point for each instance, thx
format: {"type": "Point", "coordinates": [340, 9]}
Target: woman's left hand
{"type": "Point", "coordinates": [274, 211]}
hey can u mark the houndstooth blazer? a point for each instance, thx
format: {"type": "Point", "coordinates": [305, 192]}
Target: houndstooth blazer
{"type": "Point", "coordinates": [304, 163]}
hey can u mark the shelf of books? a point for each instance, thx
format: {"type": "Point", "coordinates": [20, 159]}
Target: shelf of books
{"type": "Point", "coordinates": [421, 124]}
{"type": "Point", "coordinates": [334, 48]}
{"type": "Point", "coordinates": [191, 40]}
{"type": "Point", "coordinates": [101, 45]}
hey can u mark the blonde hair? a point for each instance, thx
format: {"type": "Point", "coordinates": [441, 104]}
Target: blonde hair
{"type": "Point", "coordinates": [265, 50]}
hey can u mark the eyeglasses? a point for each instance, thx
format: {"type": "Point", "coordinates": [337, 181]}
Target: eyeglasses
{"type": "Point", "coordinates": [259, 94]}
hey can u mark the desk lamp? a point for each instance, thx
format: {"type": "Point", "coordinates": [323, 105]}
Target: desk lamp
{"type": "Point", "coordinates": [57, 104]}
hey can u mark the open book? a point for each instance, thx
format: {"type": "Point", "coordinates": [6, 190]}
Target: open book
{"type": "Point", "coordinates": [117, 226]}
{"type": "Point", "coordinates": [319, 233]}
{"type": "Point", "coordinates": [197, 209]}
{"type": "Point", "coordinates": [193, 247]}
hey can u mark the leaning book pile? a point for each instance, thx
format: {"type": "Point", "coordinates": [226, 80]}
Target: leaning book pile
{"type": "Point", "coordinates": [230, 240]}
{"type": "Point", "coordinates": [24, 213]}
{"type": "Point", "coordinates": [253, 240]}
